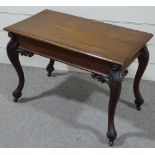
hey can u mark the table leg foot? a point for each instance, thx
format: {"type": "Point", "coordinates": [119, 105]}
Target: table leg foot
{"type": "Point", "coordinates": [143, 59]}
{"type": "Point", "coordinates": [50, 68]}
{"type": "Point", "coordinates": [111, 135]}
{"type": "Point", "coordinates": [13, 56]}
{"type": "Point", "coordinates": [138, 105]}
{"type": "Point", "coordinates": [16, 94]}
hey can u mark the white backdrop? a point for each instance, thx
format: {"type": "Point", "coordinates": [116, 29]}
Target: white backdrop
{"type": "Point", "coordinates": [141, 18]}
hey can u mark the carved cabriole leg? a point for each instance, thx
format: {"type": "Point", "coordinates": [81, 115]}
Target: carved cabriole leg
{"type": "Point", "coordinates": [114, 80]}
{"type": "Point", "coordinates": [14, 58]}
{"type": "Point", "coordinates": [143, 59]}
{"type": "Point", "coordinates": [50, 67]}
{"type": "Point", "coordinates": [115, 84]}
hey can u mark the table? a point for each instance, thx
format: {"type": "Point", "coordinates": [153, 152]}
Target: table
{"type": "Point", "coordinates": [103, 49]}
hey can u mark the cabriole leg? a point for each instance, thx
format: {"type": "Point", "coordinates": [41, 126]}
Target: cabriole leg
{"type": "Point", "coordinates": [14, 58]}
{"type": "Point", "coordinates": [115, 85]}
{"type": "Point", "coordinates": [143, 59]}
{"type": "Point", "coordinates": [50, 67]}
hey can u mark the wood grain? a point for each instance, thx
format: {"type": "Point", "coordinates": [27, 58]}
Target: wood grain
{"type": "Point", "coordinates": [104, 41]}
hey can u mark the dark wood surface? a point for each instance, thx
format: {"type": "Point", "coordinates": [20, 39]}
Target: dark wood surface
{"type": "Point", "coordinates": [104, 41]}
{"type": "Point", "coordinates": [66, 56]}
{"type": "Point", "coordinates": [143, 60]}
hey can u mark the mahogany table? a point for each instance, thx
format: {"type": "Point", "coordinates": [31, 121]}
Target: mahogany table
{"type": "Point", "coordinates": [103, 49]}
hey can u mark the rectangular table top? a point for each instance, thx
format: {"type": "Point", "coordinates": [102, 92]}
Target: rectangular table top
{"type": "Point", "coordinates": [97, 39]}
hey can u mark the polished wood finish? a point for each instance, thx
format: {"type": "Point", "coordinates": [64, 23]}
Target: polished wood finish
{"type": "Point", "coordinates": [101, 40]}
{"type": "Point", "coordinates": [65, 56]}
{"type": "Point", "coordinates": [143, 60]}
{"type": "Point", "coordinates": [114, 80]}
{"type": "Point", "coordinates": [103, 49]}
{"type": "Point", "coordinates": [115, 84]}
{"type": "Point", "coordinates": [14, 58]}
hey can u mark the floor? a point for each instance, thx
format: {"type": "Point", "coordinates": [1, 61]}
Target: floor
{"type": "Point", "coordinates": [70, 110]}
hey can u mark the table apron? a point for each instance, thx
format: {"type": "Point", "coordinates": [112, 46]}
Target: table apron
{"type": "Point", "coordinates": [76, 59]}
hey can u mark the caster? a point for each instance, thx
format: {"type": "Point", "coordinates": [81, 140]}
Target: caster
{"type": "Point", "coordinates": [111, 135]}
{"type": "Point", "coordinates": [111, 143]}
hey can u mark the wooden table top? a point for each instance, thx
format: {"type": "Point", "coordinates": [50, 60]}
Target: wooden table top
{"type": "Point", "coordinates": [104, 41]}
